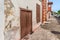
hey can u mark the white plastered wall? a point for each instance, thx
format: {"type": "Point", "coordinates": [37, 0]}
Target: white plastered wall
{"type": "Point", "coordinates": [2, 19]}
{"type": "Point", "coordinates": [31, 6]}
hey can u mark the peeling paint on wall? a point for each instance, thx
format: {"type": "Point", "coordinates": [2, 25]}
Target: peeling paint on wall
{"type": "Point", "coordinates": [11, 21]}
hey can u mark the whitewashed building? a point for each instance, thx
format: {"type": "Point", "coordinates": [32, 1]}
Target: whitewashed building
{"type": "Point", "coordinates": [23, 17]}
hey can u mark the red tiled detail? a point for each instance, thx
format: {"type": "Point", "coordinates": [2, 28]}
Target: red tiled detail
{"type": "Point", "coordinates": [44, 11]}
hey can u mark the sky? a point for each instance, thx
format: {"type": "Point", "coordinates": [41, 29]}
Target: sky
{"type": "Point", "coordinates": [56, 5]}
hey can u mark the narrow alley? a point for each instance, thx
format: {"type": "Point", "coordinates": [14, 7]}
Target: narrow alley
{"type": "Point", "coordinates": [31, 20]}
{"type": "Point", "coordinates": [48, 31]}
{"type": "Point", "coordinates": [53, 26]}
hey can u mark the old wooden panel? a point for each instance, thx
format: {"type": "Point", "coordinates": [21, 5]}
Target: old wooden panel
{"type": "Point", "coordinates": [26, 22]}
{"type": "Point", "coordinates": [38, 13]}
{"type": "Point", "coordinates": [23, 23]}
{"type": "Point", "coordinates": [29, 22]}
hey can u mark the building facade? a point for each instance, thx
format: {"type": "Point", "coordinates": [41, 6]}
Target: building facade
{"type": "Point", "coordinates": [23, 17]}
{"type": "Point", "coordinates": [49, 9]}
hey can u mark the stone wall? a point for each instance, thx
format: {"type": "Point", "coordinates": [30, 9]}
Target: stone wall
{"type": "Point", "coordinates": [11, 21]}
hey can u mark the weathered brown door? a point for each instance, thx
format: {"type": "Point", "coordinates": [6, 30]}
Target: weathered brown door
{"type": "Point", "coordinates": [29, 21]}
{"type": "Point", "coordinates": [26, 22]}
{"type": "Point", "coordinates": [38, 13]}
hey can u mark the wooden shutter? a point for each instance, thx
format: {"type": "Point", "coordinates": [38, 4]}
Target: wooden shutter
{"type": "Point", "coordinates": [38, 13]}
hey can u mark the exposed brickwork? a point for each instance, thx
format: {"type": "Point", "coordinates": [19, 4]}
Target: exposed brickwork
{"type": "Point", "coordinates": [49, 8]}
{"type": "Point", "coordinates": [44, 11]}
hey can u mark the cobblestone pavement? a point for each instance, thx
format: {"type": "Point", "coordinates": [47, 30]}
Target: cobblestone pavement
{"type": "Point", "coordinates": [53, 26]}
{"type": "Point", "coordinates": [42, 34]}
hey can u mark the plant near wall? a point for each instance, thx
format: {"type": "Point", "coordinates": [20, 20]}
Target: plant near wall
{"type": "Point", "coordinates": [58, 12]}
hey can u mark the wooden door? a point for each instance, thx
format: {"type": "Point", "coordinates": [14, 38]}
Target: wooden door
{"type": "Point", "coordinates": [26, 22]}
{"type": "Point", "coordinates": [23, 23]}
{"type": "Point", "coordinates": [38, 13]}
{"type": "Point", "coordinates": [29, 22]}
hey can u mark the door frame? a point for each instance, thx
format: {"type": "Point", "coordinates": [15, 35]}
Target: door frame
{"type": "Point", "coordinates": [23, 9]}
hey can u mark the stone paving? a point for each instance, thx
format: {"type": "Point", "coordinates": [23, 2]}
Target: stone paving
{"type": "Point", "coordinates": [42, 34]}
{"type": "Point", "coordinates": [53, 26]}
